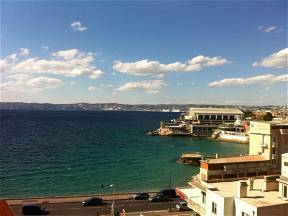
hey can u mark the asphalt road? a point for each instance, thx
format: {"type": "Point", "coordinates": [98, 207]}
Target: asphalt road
{"type": "Point", "coordinates": [76, 209]}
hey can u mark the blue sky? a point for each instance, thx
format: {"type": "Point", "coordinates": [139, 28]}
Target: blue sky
{"type": "Point", "coordinates": [216, 52]}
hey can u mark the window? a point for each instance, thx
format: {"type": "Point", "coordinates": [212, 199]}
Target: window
{"type": "Point", "coordinates": [285, 163]}
{"type": "Point", "coordinates": [203, 197]}
{"type": "Point", "coordinates": [244, 214]}
{"type": "Point", "coordinates": [284, 191]}
{"type": "Point", "coordinates": [214, 208]}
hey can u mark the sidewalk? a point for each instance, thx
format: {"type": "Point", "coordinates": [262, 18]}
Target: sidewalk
{"type": "Point", "coordinates": [159, 213]}
{"type": "Point", "coordinates": [70, 199]}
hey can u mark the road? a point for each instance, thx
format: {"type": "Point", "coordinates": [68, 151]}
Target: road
{"type": "Point", "coordinates": [76, 209]}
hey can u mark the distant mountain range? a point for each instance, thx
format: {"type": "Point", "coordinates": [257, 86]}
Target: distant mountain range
{"type": "Point", "coordinates": [113, 106]}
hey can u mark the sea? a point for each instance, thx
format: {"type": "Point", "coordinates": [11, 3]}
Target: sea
{"type": "Point", "coordinates": [56, 153]}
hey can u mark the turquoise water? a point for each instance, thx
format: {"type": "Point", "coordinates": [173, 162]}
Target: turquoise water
{"type": "Point", "coordinates": [45, 153]}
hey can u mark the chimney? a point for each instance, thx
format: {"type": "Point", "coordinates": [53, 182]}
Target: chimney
{"type": "Point", "coordinates": [242, 189]}
{"type": "Point", "coordinates": [251, 182]}
{"type": "Point", "coordinates": [216, 155]}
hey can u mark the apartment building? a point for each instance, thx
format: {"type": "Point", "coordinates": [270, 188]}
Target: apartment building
{"type": "Point", "coordinates": [264, 196]}
{"type": "Point", "coordinates": [268, 140]}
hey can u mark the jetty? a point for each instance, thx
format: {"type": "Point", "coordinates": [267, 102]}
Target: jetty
{"type": "Point", "coordinates": [194, 158]}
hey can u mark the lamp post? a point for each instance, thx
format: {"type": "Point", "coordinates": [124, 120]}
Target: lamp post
{"type": "Point", "coordinates": [170, 182]}
{"type": "Point", "coordinates": [112, 206]}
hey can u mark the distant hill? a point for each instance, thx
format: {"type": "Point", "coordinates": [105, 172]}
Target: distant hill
{"type": "Point", "coordinates": [105, 106]}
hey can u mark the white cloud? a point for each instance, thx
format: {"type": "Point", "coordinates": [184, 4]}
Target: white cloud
{"type": "Point", "coordinates": [92, 88]}
{"type": "Point", "coordinates": [179, 84]}
{"type": "Point", "coordinates": [269, 29]}
{"type": "Point", "coordinates": [150, 86]}
{"type": "Point", "coordinates": [28, 83]}
{"type": "Point", "coordinates": [10, 59]}
{"type": "Point", "coordinates": [277, 60]}
{"type": "Point", "coordinates": [24, 52]}
{"type": "Point", "coordinates": [267, 79]}
{"type": "Point", "coordinates": [77, 26]}
{"type": "Point", "coordinates": [45, 47]}
{"type": "Point", "coordinates": [70, 63]}
{"type": "Point", "coordinates": [66, 54]}
{"type": "Point", "coordinates": [146, 67]}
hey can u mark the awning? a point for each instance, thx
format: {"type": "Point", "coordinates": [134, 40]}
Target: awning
{"type": "Point", "coordinates": [186, 193]}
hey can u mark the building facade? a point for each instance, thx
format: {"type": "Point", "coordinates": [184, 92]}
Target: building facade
{"type": "Point", "coordinates": [268, 140]}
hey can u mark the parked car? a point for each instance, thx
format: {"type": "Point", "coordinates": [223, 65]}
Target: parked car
{"type": "Point", "coordinates": [182, 206]}
{"type": "Point", "coordinates": [159, 198]}
{"type": "Point", "coordinates": [168, 192]}
{"type": "Point", "coordinates": [34, 209]}
{"type": "Point", "coordinates": [93, 201]}
{"type": "Point", "coordinates": [141, 196]}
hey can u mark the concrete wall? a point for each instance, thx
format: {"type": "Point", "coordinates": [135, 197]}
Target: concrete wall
{"type": "Point", "coordinates": [284, 169]}
{"type": "Point", "coordinates": [241, 206]}
{"type": "Point", "coordinates": [260, 134]}
{"type": "Point", "coordinates": [212, 196]}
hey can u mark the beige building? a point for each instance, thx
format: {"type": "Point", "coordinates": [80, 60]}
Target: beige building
{"type": "Point", "coordinates": [204, 120]}
{"type": "Point", "coordinates": [213, 115]}
{"type": "Point", "coordinates": [283, 180]}
{"type": "Point", "coordinates": [268, 140]}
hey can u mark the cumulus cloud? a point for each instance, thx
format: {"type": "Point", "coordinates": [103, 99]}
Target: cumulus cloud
{"type": "Point", "coordinates": [277, 60]}
{"type": "Point", "coordinates": [23, 52]}
{"type": "Point", "coordinates": [92, 88]}
{"type": "Point", "coordinates": [70, 63]}
{"type": "Point", "coordinates": [268, 29]}
{"type": "Point", "coordinates": [13, 57]}
{"type": "Point", "coordinates": [267, 79]}
{"type": "Point", "coordinates": [28, 83]}
{"type": "Point", "coordinates": [146, 67]}
{"type": "Point", "coordinates": [66, 54]}
{"type": "Point", "coordinates": [150, 86]}
{"type": "Point", "coordinates": [77, 26]}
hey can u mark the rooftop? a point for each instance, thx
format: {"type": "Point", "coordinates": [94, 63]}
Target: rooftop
{"type": "Point", "coordinates": [283, 179]}
{"type": "Point", "coordinates": [255, 197]}
{"type": "Point", "coordinates": [274, 122]}
{"type": "Point", "coordinates": [239, 159]}
{"type": "Point", "coordinates": [216, 111]}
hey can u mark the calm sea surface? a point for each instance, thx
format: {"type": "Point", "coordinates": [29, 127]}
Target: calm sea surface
{"type": "Point", "coordinates": [74, 152]}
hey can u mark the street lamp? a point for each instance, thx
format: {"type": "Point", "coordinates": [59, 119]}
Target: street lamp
{"type": "Point", "coordinates": [170, 191]}
{"type": "Point", "coordinates": [112, 206]}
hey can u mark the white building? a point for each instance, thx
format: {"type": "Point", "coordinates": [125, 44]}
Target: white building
{"type": "Point", "coordinates": [283, 180]}
{"type": "Point", "coordinates": [251, 197]}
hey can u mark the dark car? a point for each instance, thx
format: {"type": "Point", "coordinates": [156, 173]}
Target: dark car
{"type": "Point", "coordinates": [141, 196]}
{"type": "Point", "coordinates": [94, 201]}
{"type": "Point", "coordinates": [182, 206]}
{"type": "Point", "coordinates": [159, 198]}
{"type": "Point", "coordinates": [168, 192]}
{"type": "Point", "coordinates": [34, 209]}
